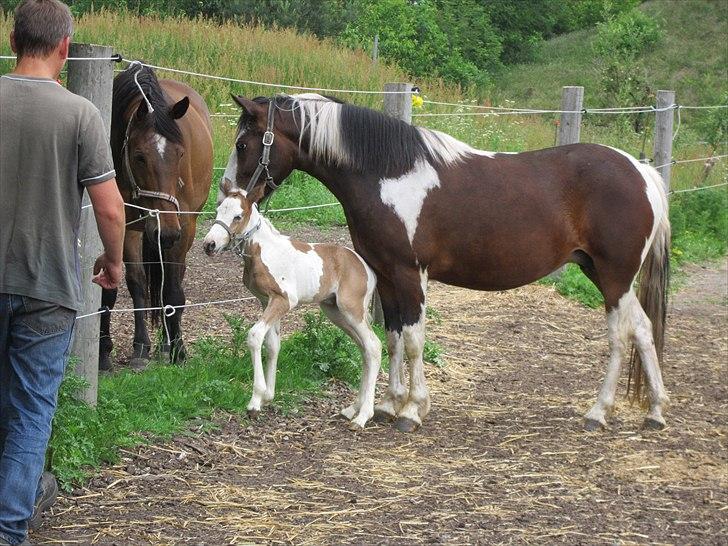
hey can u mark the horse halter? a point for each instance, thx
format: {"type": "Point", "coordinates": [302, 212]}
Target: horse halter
{"type": "Point", "coordinates": [136, 191]}
{"type": "Point", "coordinates": [236, 242]}
{"type": "Point", "coordinates": [264, 160]}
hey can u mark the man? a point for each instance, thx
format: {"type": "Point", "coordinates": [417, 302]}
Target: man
{"type": "Point", "coordinates": [52, 146]}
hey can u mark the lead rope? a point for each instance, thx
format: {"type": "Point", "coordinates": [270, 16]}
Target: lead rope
{"type": "Point", "coordinates": [136, 81]}
{"type": "Point", "coordinates": [155, 214]}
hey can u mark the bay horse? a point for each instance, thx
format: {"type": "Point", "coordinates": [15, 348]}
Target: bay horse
{"type": "Point", "coordinates": [422, 205]}
{"type": "Point", "coordinates": [284, 273]}
{"type": "Point", "coordinates": [161, 142]}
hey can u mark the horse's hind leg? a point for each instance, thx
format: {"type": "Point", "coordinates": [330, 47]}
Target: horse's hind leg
{"type": "Point", "coordinates": [627, 320]}
{"type": "Point", "coordinates": [644, 344]}
{"type": "Point", "coordinates": [108, 299]}
{"type": "Point", "coordinates": [351, 318]}
{"type": "Point", "coordinates": [273, 347]}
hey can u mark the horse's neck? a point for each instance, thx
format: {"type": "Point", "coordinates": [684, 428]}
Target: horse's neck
{"type": "Point", "coordinates": [266, 234]}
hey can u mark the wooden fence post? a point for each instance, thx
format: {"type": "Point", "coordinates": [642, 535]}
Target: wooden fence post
{"type": "Point", "coordinates": [572, 101]}
{"type": "Point", "coordinates": [662, 152]}
{"type": "Point", "coordinates": [92, 80]}
{"type": "Point", "coordinates": [398, 101]}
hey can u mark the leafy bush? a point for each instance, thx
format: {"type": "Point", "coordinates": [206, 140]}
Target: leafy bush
{"type": "Point", "coordinates": [620, 39]}
{"type": "Point", "coordinates": [699, 225]}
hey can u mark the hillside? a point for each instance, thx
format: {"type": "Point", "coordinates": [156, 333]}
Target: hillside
{"type": "Point", "coordinates": [691, 58]}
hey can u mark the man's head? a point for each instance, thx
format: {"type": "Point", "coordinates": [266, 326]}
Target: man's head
{"type": "Point", "coordinates": [41, 26]}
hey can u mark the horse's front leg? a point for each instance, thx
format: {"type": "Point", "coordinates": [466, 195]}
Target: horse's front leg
{"type": "Point", "coordinates": [136, 281]}
{"type": "Point", "coordinates": [396, 395]}
{"type": "Point", "coordinates": [174, 294]}
{"type": "Point", "coordinates": [273, 347]}
{"type": "Point", "coordinates": [276, 308]}
{"type": "Point", "coordinates": [412, 300]}
{"type": "Point", "coordinates": [108, 300]}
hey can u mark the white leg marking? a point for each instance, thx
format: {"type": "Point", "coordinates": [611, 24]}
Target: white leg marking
{"type": "Point", "coordinates": [617, 324]}
{"type": "Point", "coordinates": [273, 345]}
{"type": "Point", "coordinates": [407, 193]}
{"type": "Point", "coordinates": [256, 335]}
{"type": "Point", "coordinates": [396, 394]}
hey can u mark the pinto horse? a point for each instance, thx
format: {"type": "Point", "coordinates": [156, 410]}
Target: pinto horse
{"type": "Point", "coordinates": [422, 205]}
{"type": "Point", "coordinates": [161, 141]}
{"type": "Point", "coordinates": [284, 273]}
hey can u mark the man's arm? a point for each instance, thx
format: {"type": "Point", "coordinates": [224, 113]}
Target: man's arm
{"type": "Point", "coordinates": [109, 212]}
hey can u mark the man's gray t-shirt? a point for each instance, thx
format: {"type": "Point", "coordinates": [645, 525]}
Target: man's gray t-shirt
{"type": "Point", "coordinates": [52, 145]}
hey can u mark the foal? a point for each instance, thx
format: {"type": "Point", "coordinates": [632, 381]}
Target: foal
{"type": "Point", "coordinates": [283, 273]}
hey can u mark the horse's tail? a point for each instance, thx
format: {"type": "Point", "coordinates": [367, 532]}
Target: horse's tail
{"type": "Point", "coordinates": [153, 270]}
{"type": "Point", "coordinates": [653, 281]}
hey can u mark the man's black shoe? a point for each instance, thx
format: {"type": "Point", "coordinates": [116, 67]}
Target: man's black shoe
{"type": "Point", "coordinates": [48, 494]}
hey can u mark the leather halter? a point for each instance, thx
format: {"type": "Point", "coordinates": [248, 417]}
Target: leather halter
{"type": "Point", "coordinates": [236, 242]}
{"type": "Point", "coordinates": [264, 160]}
{"type": "Point", "coordinates": [136, 191]}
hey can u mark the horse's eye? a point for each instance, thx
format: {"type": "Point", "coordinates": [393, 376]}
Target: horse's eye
{"type": "Point", "coordinates": [240, 146]}
{"type": "Point", "coordinates": [139, 158]}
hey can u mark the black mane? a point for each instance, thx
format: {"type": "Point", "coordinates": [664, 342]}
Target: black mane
{"type": "Point", "coordinates": [126, 91]}
{"type": "Point", "coordinates": [379, 143]}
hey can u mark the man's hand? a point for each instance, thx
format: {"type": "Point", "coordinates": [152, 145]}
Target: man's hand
{"type": "Point", "coordinates": [107, 274]}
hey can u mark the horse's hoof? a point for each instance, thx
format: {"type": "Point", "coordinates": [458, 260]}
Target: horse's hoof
{"type": "Point", "coordinates": [253, 414]}
{"type": "Point", "coordinates": [381, 416]}
{"type": "Point", "coordinates": [138, 364]}
{"type": "Point", "coordinates": [653, 424]}
{"type": "Point", "coordinates": [355, 427]}
{"type": "Point", "coordinates": [405, 424]}
{"type": "Point", "coordinates": [590, 425]}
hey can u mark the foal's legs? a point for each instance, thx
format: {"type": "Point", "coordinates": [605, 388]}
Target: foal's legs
{"type": "Point", "coordinates": [276, 308]}
{"type": "Point", "coordinates": [371, 350]}
{"type": "Point", "coordinates": [273, 347]}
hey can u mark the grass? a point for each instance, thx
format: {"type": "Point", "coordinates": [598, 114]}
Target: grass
{"type": "Point", "coordinates": [135, 407]}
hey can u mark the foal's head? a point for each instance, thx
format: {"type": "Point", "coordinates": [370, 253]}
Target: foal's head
{"type": "Point", "coordinates": [235, 217]}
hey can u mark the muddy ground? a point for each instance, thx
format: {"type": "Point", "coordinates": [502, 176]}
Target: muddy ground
{"type": "Point", "coordinates": [501, 459]}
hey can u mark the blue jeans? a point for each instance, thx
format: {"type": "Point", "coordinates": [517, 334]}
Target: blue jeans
{"type": "Point", "coordinates": [35, 338]}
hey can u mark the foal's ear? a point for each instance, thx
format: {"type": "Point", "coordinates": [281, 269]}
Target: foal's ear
{"type": "Point", "coordinates": [179, 109]}
{"type": "Point", "coordinates": [250, 108]}
{"type": "Point", "coordinates": [225, 186]}
{"type": "Point", "coordinates": [256, 194]}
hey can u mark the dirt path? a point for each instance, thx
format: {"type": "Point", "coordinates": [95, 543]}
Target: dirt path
{"type": "Point", "coordinates": [501, 459]}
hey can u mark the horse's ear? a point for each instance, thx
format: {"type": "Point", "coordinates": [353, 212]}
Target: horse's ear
{"type": "Point", "coordinates": [256, 194]}
{"type": "Point", "coordinates": [142, 111]}
{"type": "Point", "coordinates": [225, 186]}
{"type": "Point", "coordinates": [179, 109]}
{"type": "Point", "coordinates": [250, 108]}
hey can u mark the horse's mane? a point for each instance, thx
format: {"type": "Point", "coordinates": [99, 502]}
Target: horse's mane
{"type": "Point", "coordinates": [363, 139]}
{"type": "Point", "coordinates": [126, 90]}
